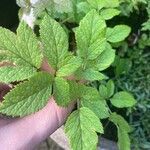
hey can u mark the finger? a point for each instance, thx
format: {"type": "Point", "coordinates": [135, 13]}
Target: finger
{"type": "Point", "coordinates": [5, 121]}
{"type": "Point", "coordinates": [26, 133]}
{"type": "Point", "coordinates": [4, 88]}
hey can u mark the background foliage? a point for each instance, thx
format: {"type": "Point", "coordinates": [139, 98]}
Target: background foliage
{"type": "Point", "coordinates": [133, 72]}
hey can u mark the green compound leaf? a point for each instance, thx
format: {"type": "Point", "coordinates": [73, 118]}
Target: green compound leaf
{"type": "Point", "coordinates": [123, 130]}
{"type": "Point", "coordinates": [120, 122]}
{"type": "Point", "coordinates": [61, 91]}
{"type": "Point", "coordinates": [118, 33]}
{"type": "Point", "coordinates": [103, 91]}
{"type": "Point", "coordinates": [98, 106]}
{"type": "Point", "coordinates": [81, 128]}
{"type": "Point", "coordinates": [110, 88]}
{"type": "Point", "coordinates": [92, 75]}
{"type": "Point", "coordinates": [122, 65]}
{"type": "Point", "coordinates": [80, 91]}
{"type": "Point", "coordinates": [8, 49]}
{"type": "Point", "coordinates": [90, 36]}
{"type": "Point", "coordinates": [123, 99]}
{"type": "Point", "coordinates": [11, 74]}
{"type": "Point", "coordinates": [107, 90]}
{"type": "Point", "coordinates": [109, 13]}
{"type": "Point", "coordinates": [28, 45]}
{"type": "Point", "coordinates": [90, 98]}
{"type": "Point", "coordinates": [104, 60]}
{"type": "Point", "coordinates": [55, 41]}
{"type": "Point", "coordinates": [28, 97]}
{"type": "Point", "coordinates": [87, 92]}
{"type": "Point", "coordinates": [69, 67]}
{"type": "Point", "coordinates": [123, 140]}
{"type": "Point", "coordinates": [8, 41]}
{"type": "Point", "coordinates": [74, 89]}
{"type": "Point", "coordinates": [22, 48]}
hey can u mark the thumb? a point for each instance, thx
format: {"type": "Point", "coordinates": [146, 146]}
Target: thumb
{"type": "Point", "coordinates": [29, 131]}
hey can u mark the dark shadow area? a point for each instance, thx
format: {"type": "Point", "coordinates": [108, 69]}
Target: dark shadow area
{"type": "Point", "coordinates": [8, 13]}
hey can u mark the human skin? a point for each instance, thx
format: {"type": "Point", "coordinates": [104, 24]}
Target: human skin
{"type": "Point", "coordinates": [26, 133]}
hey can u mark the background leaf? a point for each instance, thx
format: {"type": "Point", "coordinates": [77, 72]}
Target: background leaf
{"type": "Point", "coordinates": [103, 91]}
{"type": "Point", "coordinates": [120, 122]}
{"type": "Point", "coordinates": [109, 13]}
{"type": "Point", "coordinates": [123, 140]}
{"type": "Point", "coordinates": [118, 33]}
{"type": "Point", "coordinates": [110, 88]}
{"type": "Point", "coordinates": [123, 130]}
{"type": "Point", "coordinates": [123, 99]}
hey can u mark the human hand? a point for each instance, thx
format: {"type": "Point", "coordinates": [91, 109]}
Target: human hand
{"type": "Point", "coordinates": [26, 133]}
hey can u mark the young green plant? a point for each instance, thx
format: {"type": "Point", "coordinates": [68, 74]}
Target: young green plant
{"type": "Point", "coordinates": [24, 52]}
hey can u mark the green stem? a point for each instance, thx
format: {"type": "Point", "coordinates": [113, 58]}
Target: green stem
{"type": "Point", "coordinates": [75, 9]}
{"type": "Point", "coordinates": [78, 104]}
